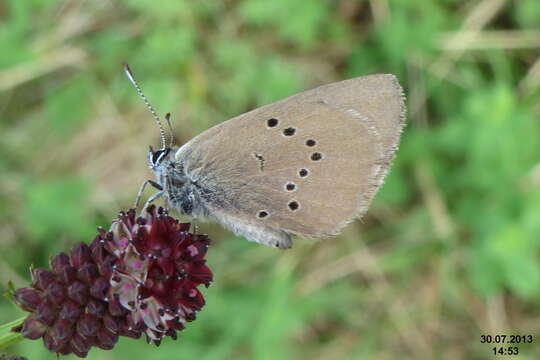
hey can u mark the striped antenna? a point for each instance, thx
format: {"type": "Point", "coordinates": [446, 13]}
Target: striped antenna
{"type": "Point", "coordinates": [131, 78]}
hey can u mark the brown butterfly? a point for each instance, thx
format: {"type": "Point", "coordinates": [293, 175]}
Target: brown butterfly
{"type": "Point", "coordinates": [306, 165]}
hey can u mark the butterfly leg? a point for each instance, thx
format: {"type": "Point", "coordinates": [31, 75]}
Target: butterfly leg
{"type": "Point", "coordinates": [141, 189]}
{"type": "Point", "coordinates": [151, 199]}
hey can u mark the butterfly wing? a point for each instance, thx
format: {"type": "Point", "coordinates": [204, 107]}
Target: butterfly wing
{"type": "Point", "coordinates": [305, 165]}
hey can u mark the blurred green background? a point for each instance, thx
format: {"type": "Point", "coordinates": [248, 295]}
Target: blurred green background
{"type": "Point", "coordinates": [448, 251]}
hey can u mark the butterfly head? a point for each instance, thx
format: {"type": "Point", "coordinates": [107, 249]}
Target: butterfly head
{"type": "Point", "coordinates": [156, 157]}
{"type": "Point", "coordinates": [157, 160]}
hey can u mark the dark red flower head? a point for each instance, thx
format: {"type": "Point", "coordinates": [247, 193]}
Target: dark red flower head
{"type": "Point", "coordinates": [141, 276]}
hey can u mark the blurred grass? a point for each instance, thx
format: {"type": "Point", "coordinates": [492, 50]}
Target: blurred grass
{"type": "Point", "coordinates": [449, 250]}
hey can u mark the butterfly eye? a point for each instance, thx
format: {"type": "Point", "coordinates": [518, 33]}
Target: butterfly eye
{"type": "Point", "coordinates": [157, 156]}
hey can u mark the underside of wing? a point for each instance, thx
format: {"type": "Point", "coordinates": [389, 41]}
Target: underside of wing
{"type": "Point", "coordinates": [305, 165]}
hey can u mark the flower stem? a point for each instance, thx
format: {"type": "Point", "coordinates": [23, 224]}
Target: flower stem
{"type": "Point", "coordinates": [7, 337]}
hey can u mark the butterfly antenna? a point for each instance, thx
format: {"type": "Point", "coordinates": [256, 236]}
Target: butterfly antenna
{"type": "Point", "coordinates": [131, 78]}
{"type": "Point", "coordinates": [171, 134]}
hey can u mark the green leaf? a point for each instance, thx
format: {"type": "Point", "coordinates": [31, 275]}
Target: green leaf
{"type": "Point", "coordinates": [527, 13]}
{"type": "Point", "coordinates": [279, 80]}
{"type": "Point", "coordinates": [166, 10]}
{"type": "Point", "coordinates": [395, 191]}
{"type": "Point", "coordinates": [56, 207]}
{"type": "Point", "coordinates": [506, 258]}
{"type": "Point", "coordinates": [403, 35]}
{"type": "Point", "coordinates": [18, 50]}
{"type": "Point", "coordinates": [523, 275]}
{"type": "Point", "coordinates": [301, 23]}
{"type": "Point", "coordinates": [485, 272]}
{"type": "Point", "coordinates": [68, 107]}
{"type": "Point", "coordinates": [162, 44]}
